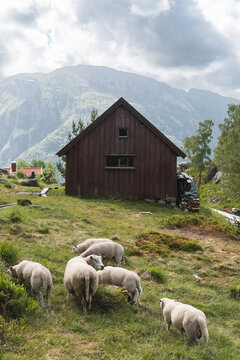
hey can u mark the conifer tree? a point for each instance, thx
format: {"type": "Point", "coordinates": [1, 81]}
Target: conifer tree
{"type": "Point", "coordinates": [227, 151]}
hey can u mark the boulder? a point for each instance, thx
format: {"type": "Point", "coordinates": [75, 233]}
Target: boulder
{"type": "Point", "coordinates": [24, 202]}
{"type": "Point", "coordinates": [28, 182]}
{"type": "Point", "coordinates": [212, 199]}
{"type": "Point", "coordinates": [217, 178]}
{"type": "Point", "coordinates": [210, 175]}
{"type": "Point", "coordinates": [236, 211]}
{"type": "Point", "coordinates": [4, 172]}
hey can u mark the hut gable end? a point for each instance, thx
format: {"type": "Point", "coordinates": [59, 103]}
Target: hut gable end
{"type": "Point", "coordinates": [121, 154]}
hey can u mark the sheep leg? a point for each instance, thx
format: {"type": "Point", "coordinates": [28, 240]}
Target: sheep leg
{"type": "Point", "coordinates": [135, 296]}
{"type": "Point", "coordinates": [48, 296]}
{"type": "Point", "coordinates": [90, 302]}
{"type": "Point", "coordinates": [84, 305]}
{"type": "Point", "coordinates": [168, 326]}
{"type": "Point", "coordinates": [40, 296]}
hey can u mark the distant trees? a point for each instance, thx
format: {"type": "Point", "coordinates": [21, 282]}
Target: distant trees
{"type": "Point", "coordinates": [227, 151]}
{"type": "Point", "coordinates": [77, 128]}
{"type": "Point", "coordinates": [197, 147]}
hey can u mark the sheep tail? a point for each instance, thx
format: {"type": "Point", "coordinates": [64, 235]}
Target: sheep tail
{"type": "Point", "coordinates": [87, 287]}
{"type": "Point", "coordinates": [203, 328]}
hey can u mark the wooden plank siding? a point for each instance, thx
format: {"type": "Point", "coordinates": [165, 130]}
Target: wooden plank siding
{"type": "Point", "coordinates": [154, 173]}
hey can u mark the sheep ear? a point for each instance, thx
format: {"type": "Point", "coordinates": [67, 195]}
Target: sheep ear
{"type": "Point", "coordinates": [91, 257]}
{"type": "Point", "coordinates": [75, 246]}
{"type": "Point", "coordinates": [11, 268]}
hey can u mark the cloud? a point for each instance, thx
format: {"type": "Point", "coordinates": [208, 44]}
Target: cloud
{"type": "Point", "coordinates": [176, 36]}
{"type": "Point", "coordinates": [185, 43]}
{"type": "Point", "coordinates": [26, 17]}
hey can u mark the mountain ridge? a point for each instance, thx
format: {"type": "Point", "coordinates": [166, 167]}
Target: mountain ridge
{"type": "Point", "coordinates": [36, 110]}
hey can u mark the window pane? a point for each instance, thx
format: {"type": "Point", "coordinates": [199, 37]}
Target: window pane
{"type": "Point", "coordinates": [123, 161]}
{"type": "Point", "coordinates": [119, 161]}
{"type": "Point", "coordinates": [122, 132]}
{"type": "Point", "coordinates": [112, 161]}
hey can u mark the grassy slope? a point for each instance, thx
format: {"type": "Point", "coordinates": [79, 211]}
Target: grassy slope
{"type": "Point", "coordinates": [115, 329]}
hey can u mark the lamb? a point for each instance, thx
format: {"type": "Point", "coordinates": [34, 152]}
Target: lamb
{"type": "Point", "coordinates": [37, 275]}
{"type": "Point", "coordinates": [85, 245]}
{"type": "Point", "coordinates": [108, 250]}
{"type": "Point", "coordinates": [121, 277]}
{"type": "Point", "coordinates": [80, 278]}
{"type": "Point", "coordinates": [185, 318]}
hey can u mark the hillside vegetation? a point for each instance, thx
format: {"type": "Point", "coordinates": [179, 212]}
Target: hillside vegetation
{"type": "Point", "coordinates": [165, 246]}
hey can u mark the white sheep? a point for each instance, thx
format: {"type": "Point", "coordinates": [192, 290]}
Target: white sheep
{"type": "Point", "coordinates": [85, 245]}
{"type": "Point", "coordinates": [121, 277]}
{"type": "Point", "coordinates": [37, 275]}
{"type": "Point", "coordinates": [108, 250]}
{"type": "Point", "coordinates": [80, 278]}
{"type": "Point", "coordinates": [185, 318]}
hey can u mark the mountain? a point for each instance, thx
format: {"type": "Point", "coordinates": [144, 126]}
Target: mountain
{"type": "Point", "coordinates": [36, 110]}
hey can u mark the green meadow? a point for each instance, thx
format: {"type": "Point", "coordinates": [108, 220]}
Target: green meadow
{"type": "Point", "coordinates": [164, 245]}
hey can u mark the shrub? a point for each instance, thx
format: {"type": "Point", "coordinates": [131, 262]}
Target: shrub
{"type": "Point", "coordinates": [48, 175]}
{"type": "Point", "coordinates": [8, 253]}
{"type": "Point", "coordinates": [235, 292]}
{"type": "Point", "coordinates": [8, 186]}
{"type": "Point", "coordinates": [15, 216]}
{"type": "Point", "coordinates": [183, 220]}
{"type": "Point", "coordinates": [20, 174]}
{"type": "Point", "coordinates": [14, 300]}
{"type": "Point", "coordinates": [158, 274]}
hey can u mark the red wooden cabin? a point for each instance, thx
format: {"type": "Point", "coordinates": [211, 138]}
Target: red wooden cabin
{"type": "Point", "coordinates": [121, 154]}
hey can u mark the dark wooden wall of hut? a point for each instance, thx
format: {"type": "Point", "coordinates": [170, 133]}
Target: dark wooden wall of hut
{"type": "Point", "coordinates": [154, 175]}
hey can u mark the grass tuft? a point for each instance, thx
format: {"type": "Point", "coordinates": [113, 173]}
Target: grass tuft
{"type": "Point", "coordinates": [158, 274]}
{"type": "Point", "coordinates": [163, 243]}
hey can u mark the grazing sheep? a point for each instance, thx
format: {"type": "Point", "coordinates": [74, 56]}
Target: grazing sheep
{"type": "Point", "coordinates": [108, 250]}
{"type": "Point", "coordinates": [121, 277]}
{"type": "Point", "coordinates": [85, 245]}
{"type": "Point", "coordinates": [185, 318]}
{"type": "Point", "coordinates": [37, 275]}
{"type": "Point", "coordinates": [80, 278]}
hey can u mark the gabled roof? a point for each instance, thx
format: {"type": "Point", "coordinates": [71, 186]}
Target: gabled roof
{"type": "Point", "coordinates": [109, 111]}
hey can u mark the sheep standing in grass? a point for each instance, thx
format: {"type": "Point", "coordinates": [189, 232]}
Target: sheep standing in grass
{"type": "Point", "coordinates": [37, 275]}
{"type": "Point", "coordinates": [85, 245]}
{"type": "Point", "coordinates": [108, 250]}
{"type": "Point", "coordinates": [185, 318]}
{"type": "Point", "coordinates": [80, 278]}
{"type": "Point", "coordinates": [121, 277]}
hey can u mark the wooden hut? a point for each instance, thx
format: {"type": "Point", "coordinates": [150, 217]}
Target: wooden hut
{"type": "Point", "coordinates": [121, 154]}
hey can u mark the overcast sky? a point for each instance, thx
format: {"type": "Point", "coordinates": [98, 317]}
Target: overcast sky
{"type": "Point", "coordinates": [184, 43]}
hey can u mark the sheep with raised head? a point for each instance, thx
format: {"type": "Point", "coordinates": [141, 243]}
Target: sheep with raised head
{"type": "Point", "coordinates": [108, 250]}
{"type": "Point", "coordinates": [37, 275]}
{"type": "Point", "coordinates": [81, 279]}
{"type": "Point", "coordinates": [85, 245]}
{"type": "Point", "coordinates": [185, 318]}
{"type": "Point", "coordinates": [123, 278]}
